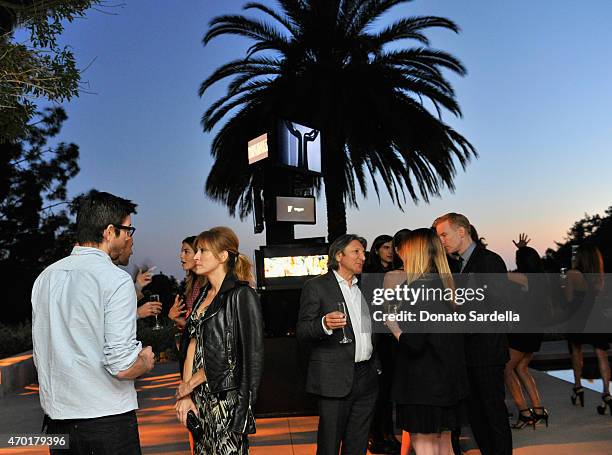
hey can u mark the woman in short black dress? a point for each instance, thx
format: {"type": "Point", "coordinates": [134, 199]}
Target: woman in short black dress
{"type": "Point", "coordinates": [584, 282]}
{"type": "Point", "coordinates": [534, 291]}
{"type": "Point", "coordinates": [430, 379]}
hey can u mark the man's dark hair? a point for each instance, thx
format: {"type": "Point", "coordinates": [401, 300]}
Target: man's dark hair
{"type": "Point", "coordinates": [96, 211]}
{"type": "Point", "coordinates": [339, 245]}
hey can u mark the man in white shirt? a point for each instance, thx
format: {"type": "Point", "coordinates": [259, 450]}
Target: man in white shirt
{"type": "Point", "coordinates": [342, 374]}
{"type": "Point", "coordinates": [84, 335]}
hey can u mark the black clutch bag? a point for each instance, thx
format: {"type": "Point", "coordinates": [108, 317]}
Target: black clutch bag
{"type": "Point", "coordinates": [194, 426]}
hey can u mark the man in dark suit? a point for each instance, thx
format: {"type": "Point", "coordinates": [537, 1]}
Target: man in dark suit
{"type": "Point", "coordinates": [486, 353]}
{"type": "Point", "coordinates": [343, 375]}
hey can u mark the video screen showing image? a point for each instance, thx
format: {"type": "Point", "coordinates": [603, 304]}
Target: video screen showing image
{"type": "Point", "coordinates": [299, 146]}
{"type": "Point", "coordinates": [285, 266]}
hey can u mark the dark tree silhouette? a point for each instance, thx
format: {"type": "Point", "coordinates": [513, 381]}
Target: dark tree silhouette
{"type": "Point", "coordinates": [321, 62]}
{"type": "Point", "coordinates": [34, 214]}
{"type": "Point", "coordinates": [594, 229]}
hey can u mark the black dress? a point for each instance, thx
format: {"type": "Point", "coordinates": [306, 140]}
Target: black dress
{"type": "Point", "coordinates": [580, 307]}
{"type": "Point", "coordinates": [430, 379]}
{"type": "Point", "coordinates": [535, 303]}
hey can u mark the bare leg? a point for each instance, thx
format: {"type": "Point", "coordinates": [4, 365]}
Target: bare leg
{"type": "Point", "coordinates": [576, 353]}
{"type": "Point", "coordinates": [522, 369]}
{"type": "Point", "coordinates": [445, 446]}
{"type": "Point", "coordinates": [604, 368]}
{"type": "Point", "coordinates": [512, 380]}
{"type": "Point", "coordinates": [425, 444]}
{"type": "Point", "coordinates": [405, 443]}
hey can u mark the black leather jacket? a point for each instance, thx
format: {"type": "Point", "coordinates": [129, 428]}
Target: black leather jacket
{"type": "Point", "coordinates": [232, 333]}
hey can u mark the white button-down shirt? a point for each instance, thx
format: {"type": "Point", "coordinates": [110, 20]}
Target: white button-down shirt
{"type": "Point", "coordinates": [360, 319]}
{"type": "Point", "coordinates": [84, 333]}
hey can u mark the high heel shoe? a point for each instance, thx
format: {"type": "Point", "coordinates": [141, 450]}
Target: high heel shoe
{"type": "Point", "coordinates": [539, 416]}
{"type": "Point", "coordinates": [523, 420]}
{"type": "Point", "coordinates": [606, 402]}
{"type": "Point", "coordinates": [577, 396]}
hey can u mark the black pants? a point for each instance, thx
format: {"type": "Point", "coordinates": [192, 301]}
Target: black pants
{"type": "Point", "coordinates": [347, 420]}
{"type": "Point", "coordinates": [382, 422]}
{"type": "Point", "coordinates": [487, 410]}
{"type": "Point", "coordinates": [108, 435]}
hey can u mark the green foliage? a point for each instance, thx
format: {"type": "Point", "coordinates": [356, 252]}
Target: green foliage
{"type": "Point", "coordinates": [160, 340]}
{"type": "Point", "coordinates": [15, 339]}
{"type": "Point", "coordinates": [34, 220]}
{"type": "Point", "coordinates": [40, 68]}
{"type": "Point", "coordinates": [323, 63]}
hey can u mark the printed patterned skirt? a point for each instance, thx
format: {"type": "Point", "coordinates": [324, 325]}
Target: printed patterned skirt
{"type": "Point", "coordinates": [215, 413]}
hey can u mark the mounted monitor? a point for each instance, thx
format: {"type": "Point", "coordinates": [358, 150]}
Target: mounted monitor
{"type": "Point", "coordinates": [289, 266]}
{"type": "Point", "coordinates": [297, 210]}
{"type": "Point", "coordinates": [299, 146]}
{"type": "Point", "coordinates": [258, 148]}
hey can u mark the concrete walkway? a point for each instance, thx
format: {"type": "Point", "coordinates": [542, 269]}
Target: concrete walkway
{"type": "Point", "coordinates": [571, 430]}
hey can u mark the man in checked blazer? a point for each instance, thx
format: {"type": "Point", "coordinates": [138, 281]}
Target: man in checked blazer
{"type": "Point", "coordinates": [486, 353]}
{"type": "Point", "coordinates": [342, 375]}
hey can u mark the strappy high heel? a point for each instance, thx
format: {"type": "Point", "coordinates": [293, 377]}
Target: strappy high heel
{"type": "Point", "coordinates": [577, 396]}
{"type": "Point", "coordinates": [540, 414]}
{"type": "Point", "coordinates": [524, 420]}
{"type": "Point", "coordinates": [606, 402]}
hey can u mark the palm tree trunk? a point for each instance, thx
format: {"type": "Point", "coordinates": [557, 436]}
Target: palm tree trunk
{"type": "Point", "coordinates": [333, 175]}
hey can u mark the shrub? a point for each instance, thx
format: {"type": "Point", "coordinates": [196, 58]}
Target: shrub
{"type": "Point", "coordinates": [15, 339]}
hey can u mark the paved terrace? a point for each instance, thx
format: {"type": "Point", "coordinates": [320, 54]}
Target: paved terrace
{"type": "Point", "coordinates": [571, 431]}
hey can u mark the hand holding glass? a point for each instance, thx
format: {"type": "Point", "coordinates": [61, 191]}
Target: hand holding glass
{"type": "Point", "coordinates": [342, 309]}
{"type": "Point", "coordinates": [155, 298]}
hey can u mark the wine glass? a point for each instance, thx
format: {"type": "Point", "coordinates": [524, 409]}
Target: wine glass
{"type": "Point", "coordinates": [155, 298]}
{"type": "Point", "coordinates": [342, 309]}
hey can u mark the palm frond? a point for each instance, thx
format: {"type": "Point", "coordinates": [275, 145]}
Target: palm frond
{"type": "Point", "coordinates": [412, 28]}
{"type": "Point", "coordinates": [285, 21]}
{"type": "Point", "coordinates": [239, 25]}
{"type": "Point", "coordinates": [260, 66]}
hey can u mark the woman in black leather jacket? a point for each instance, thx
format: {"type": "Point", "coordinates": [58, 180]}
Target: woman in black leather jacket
{"type": "Point", "coordinates": [222, 352]}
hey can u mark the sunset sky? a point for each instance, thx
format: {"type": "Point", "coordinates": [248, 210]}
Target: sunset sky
{"type": "Point", "coordinates": [537, 105]}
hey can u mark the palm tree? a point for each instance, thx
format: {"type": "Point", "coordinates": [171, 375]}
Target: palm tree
{"type": "Point", "coordinates": [324, 64]}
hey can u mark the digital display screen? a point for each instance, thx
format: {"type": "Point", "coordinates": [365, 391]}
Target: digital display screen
{"type": "Point", "coordinates": [280, 267]}
{"type": "Point", "coordinates": [299, 146]}
{"type": "Point", "coordinates": [258, 148]}
{"type": "Point", "coordinates": [299, 210]}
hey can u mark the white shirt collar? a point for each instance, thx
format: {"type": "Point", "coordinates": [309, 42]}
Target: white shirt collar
{"type": "Point", "coordinates": [340, 279]}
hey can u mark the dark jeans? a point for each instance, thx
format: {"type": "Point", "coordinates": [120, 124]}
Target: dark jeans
{"type": "Point", "coordinates": [108, 435]}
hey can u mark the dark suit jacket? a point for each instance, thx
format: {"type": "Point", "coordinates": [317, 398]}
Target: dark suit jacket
{"type": "Point", "coordinates": [486, 349]}
{"type": "Point", "coordinates": [331, 364]}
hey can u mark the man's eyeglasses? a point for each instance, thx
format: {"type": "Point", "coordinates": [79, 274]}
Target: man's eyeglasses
{"type": "Point", "coordinates": [130, 229]}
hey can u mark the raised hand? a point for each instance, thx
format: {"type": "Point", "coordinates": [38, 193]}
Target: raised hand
{"type": "Point", "coordinates": [523, 240]}
{"type": "Point", "coordinates": [143, 277]}
{"type": "Point", "coordinates": [178, 309]}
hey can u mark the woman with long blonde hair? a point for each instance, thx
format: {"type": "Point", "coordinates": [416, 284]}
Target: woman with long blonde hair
{"type": "Point", "coordinates": [430, 380]}
{"type": "Point", "coordinates": [223, 358]}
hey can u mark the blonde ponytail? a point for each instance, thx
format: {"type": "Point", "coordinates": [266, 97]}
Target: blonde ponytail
{"type": "Point", "coordinates": [243, 269]}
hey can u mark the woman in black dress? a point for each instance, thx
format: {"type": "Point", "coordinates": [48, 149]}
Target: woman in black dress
{"type": "Point", "coordinates": [530, 277]}
{"type": "Point", "coordinates": [382, 439]}
{"type": "Point", "coordinates": [430, 379]}
{"type": "Point", "coordinates": [584, 282]}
